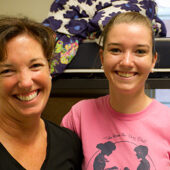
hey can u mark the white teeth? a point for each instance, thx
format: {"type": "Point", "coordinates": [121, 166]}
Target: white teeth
{"type": "Point", "coordinates": [124, 74]}
{"type": "Point", "coordinates": [27, 97]}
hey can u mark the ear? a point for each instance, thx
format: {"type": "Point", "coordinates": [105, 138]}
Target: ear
{"type": "Point", "coordinates": [101, 55]}
{"type": "Point", "coordinates": [154, 60]}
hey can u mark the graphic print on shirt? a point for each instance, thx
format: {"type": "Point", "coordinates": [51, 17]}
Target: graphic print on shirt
{"type": "Point", "coordinates": [100, 160]}
{"type": "Point", "coordinates": [137, 155]}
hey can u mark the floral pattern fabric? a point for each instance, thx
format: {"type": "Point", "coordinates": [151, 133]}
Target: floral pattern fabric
{"type": "Point", "coordinates": [75, 20]}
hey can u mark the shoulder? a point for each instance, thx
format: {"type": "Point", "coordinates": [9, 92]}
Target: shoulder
{"type": "Point", "coordinates": [62, 136]}
{"type": "Point", "coordinates": [83, 111]}
{"type": "Point", "coordinates": [84, 108]}
{"type": "Point", "coordinates": [86, 103]}
{"type": "Point", "coordinates": [161, 114]}
{"type": "Point", "coordinates": [63, 146]}
{"type": "Point", "coordinates": [159, 111]}
{"type": "Point", "coordinates": [61, 133]}
{"type": "Point", "coordinates": [160, 107]}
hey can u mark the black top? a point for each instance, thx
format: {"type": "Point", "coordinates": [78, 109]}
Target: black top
{"type": "Point", "coordinates": [64, 151]}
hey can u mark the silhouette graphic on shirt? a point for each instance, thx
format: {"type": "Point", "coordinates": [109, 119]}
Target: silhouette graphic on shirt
{"type": "Point", "coordinates": [100, 160]}
{"type": "Point", "coordinates": [141, 153]}
{"type": "Point", "coordinates": [126, 168]}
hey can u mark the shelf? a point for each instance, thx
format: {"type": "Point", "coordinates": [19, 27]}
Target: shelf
{"type": "Point", "coordinates": [96, 86]}
{"type": "Point", "coordinates": [83, 76]}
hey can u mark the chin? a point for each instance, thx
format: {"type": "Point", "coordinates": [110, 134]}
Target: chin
{"type": "Point", "coordinates": [128, 90]}
{"type": "Point", "coordinates": [32, 111]}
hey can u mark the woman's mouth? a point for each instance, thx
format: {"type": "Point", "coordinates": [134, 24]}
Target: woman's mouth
{"type": "Point", "coordinates": [27, 97]}
{"type": "Point", "coordinates": [125, 74]}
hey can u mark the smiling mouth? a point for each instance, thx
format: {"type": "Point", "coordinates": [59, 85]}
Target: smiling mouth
{"type": "Point", "coordinates": [27, 97]}
{"type": "Point", "coordinates": [125, 74]}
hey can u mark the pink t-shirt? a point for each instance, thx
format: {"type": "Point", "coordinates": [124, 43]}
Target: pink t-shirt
{"type": "Point", "coordinates": [113, 140]}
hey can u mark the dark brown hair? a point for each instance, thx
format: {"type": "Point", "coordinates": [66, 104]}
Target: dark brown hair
{"type": "Point", "coordinates": [128, 17]}
{"type": "Point", "coordinates": [11, 27]}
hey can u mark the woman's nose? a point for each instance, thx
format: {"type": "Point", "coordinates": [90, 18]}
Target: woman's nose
{"type": "Point", "coordinates": [25, 80]}
{"type": "Point", "coordinates": [127, 59]}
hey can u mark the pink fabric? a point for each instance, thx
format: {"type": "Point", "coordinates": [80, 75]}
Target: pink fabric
{"type": "Point", "coordinates": [112, 140]}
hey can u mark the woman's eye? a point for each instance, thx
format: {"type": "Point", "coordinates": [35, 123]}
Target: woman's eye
{"type": "Point", "coordinates": [37, 65]}
{"type": "Point", "coordinates": [140, 51]}
{"type": "Point", "coordinates": [7, 71]}
{"type": "Point", "coordinates": [115, 50]}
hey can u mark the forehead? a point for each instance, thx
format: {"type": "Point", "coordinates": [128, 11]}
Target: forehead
{"type": "Point", "coordinates": [21, 42]}
{"type": "Point", "coordinates": [130, 31]}
{"type": "Point", "coordinates": [23, 38]}
{"type": "Point", "coordinates": [23, 47]}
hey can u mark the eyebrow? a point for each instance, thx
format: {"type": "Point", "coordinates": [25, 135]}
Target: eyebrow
{"type": "Point", "coordinates": [110, 44]}
{"type": "Point", "coordinates": [5, 65]}
{"type": "Point", "coordinates": [143, 45]}
{"type": "Point", "coordinates": [10, 65]}
{"type": "Point", "coordinates": [119, 44]}
{"type": "Point", "coordinates": [35, 59]}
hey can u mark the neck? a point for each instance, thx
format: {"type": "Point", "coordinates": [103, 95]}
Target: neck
{"type": "Point", "coordinates": [129, 103]}
{"type": "Point", "coordinates": [25, 130]}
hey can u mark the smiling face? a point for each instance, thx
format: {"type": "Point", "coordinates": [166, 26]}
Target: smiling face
{"type": "Point", "coordinates": [25, 82]}
{"type": "Point", "coordinates": [127, 57]}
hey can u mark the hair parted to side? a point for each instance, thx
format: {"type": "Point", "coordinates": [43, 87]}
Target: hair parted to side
{"type": "Point", "coordinates": [11, 27]}
{"type": "Point", "coordinates": [129, 18]}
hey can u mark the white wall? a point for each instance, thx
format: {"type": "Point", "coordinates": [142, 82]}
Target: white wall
{"type": "Point", "coordinates": [167, 23]}
{"type": "Point", "coordinates": [164, 13]}
{"type": "Point", "coordinates": [34, 9]}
